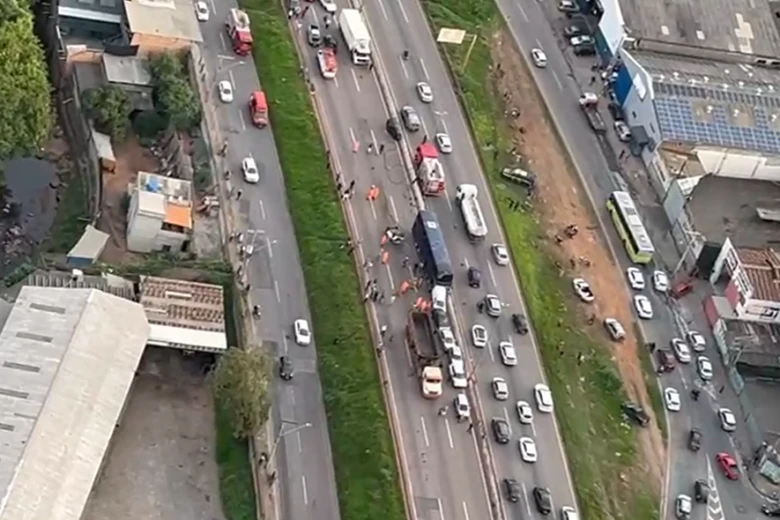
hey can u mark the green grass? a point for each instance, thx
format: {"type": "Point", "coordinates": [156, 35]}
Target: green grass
{"type": "Point", "coordinates": [600, 445]}
{"type": "Point", "coordinates": [653, 390]}
{"type": "Point", "coordinates": [362, 444]}
{"type": "Point", "coordinates": [236, 487]}
{"type": "Point", "coordinates": [71, 218]}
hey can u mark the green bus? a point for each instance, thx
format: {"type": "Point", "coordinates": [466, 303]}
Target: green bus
{"type": "Point", "coordinates": [630, 228]}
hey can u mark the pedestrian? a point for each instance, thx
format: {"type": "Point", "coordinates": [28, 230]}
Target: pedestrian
{"type": "Point", "coordinates": [238, 194]}
{"type": "Point", "coordinates": [339, 187]}
{"type": "Point", "coordinates": [381, 148]}
{"type": "Point", "coordinates": [290, 14]}
{"type": "Point", "coordinates": [721, 389]}
{"type": "Point", "coordinates": [622, 154]}
{"type": "Point", "coordinates": [405, 262]}
{"type": "Point", "coordinates": [305, 10]}
{"type": "Point", "coordinates": [592, 80]}
{"type": "Point", "coordinates": [351, 186]}
{"type": "Point", "coordinates": [370, 147]}
{"type": "Point", "coordinates": [350, 250]}
{"type": "Point", "coordinates": [470, 428]}
{"type": "Point", "coordinates": [383, 330]}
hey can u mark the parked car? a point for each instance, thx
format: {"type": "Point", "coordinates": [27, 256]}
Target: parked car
{"type": "Point", "coordinates": [660, 281]}
{"type": "Point", "coordinates": [573, 30]}
{"type": "Point", "coordinates": [728, 465]}
{"type": "Point", "coordinates": [635, 413]}
{"type": "Point", "coordinates": [583, 290]}
{"type": "Point", "coordinates": [614, 329]}
{"type": "Point", "coordinates": [568, 6]}
{"type": "Point", "coordinates": [501, 431]}
{"type": "Point", "coordinates": [694, 439]}
{"type": "Point", "coordinates": [635, 278]}
{"type": "Point", "coordinates": [701, 491]}
{"type": "Point", "coordinates": [696, 341]}
{"type": "Point", "coordinates": [586, 49]}
{"type": "Point", "coordinates": [581, 40]}
{"type": "Point", "coordinates": [520, 323]}
{"type": "Point", "coordinates": [623, 131]}
{"type": "Point", "coordinates": [285, 368]}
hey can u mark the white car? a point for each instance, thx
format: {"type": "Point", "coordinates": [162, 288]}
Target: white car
{"type": "Point", "coordinates": [544, 400]}
{"type": "Point", "coordinates": [643, 308]}
{"type": "Point", "coordinates": [683, 507]}
{"type": "Point", "coordinates": [672, 400]}
{"type": "Point", "coordinates": [660, 281]}
{"type": "Point", "coordinates": [202, 11]}
{"type": "Point", "coordinates": [447, 339]}
{"type": "Point", "coordinates": [527, 448]}
{"type": "Point", "coordinates": [492, 306]}
{"type": "Point", "coordinates": [455, 353]}
{"type": "Point", "coordinates": [568, 513]}
{"type": "Point", "coordinates": [727, 420]}
{"type": "Point", "coordinates": [329, 6]}
{"type": "Point", "coordinates": [302, 332]}
{"type": "Point", "coordinates": [681, 350]}
{"type": "Point", "coordinates": [635, 278]}
{"type": "Point", "coordinates": [225, 92]}
{"type": "Point", "coordinates": [500, 388]}
{"type": "Point", "coordinates": [444, 143]}
{"type": "Point", "coordinates": [462, 406]}
{"type": "Point", "coordinates": [615, 329]}
{"type": "Point", "coordinates": [508, 354]}
{"type": "Point", "coordinates": [457, 371]}
{"type": "Point", "coordinates": [704, 367]}
{"type": "Point", "coordinates": [525, 413]}
{"type": "Point", "coordinates": [697, 341]}
{"type": "Point", "coordinates": [539, 57]}
{"type": "Point", "coordinates": [500, 254]}
{"type": "Point", "coordinates": [580, 40]}
{"type": "Point", "coordinates": [250, 171]}
{"type": "Point", "coordinates": [425, 92]}
{"type": "Point", "coordinates": [623, 131]}
{"type": "Point", "coordinates": [583, 290]}
{"type": "Point", "coordinates": [479, 336]}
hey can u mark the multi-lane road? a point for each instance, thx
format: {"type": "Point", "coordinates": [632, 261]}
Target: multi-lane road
{"type": "Point", "coordinates": [302, 456]}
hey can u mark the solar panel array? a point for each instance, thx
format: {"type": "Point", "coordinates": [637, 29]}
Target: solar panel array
{"type": "Point", "coordinates": [675, 111]}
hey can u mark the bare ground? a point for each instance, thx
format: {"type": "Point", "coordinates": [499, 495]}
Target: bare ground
{"type": "Point", "coordinates": [563, 202]}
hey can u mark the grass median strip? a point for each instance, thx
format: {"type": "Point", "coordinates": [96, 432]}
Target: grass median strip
{"type": "Point", "coordinates": [602, 449]}
{"type": "Point", "coordinates": [362, 444]}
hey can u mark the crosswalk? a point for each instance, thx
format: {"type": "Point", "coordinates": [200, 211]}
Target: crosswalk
{"type": "Point", "coordinates": [714, 507]}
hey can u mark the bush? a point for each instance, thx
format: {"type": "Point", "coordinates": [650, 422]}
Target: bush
{"type": "Point", "coordinates": [109, 106]}
{"type": "Point", "coordinates": [173, 95]}
{"type": "Point", "coordinates": [149, 124]}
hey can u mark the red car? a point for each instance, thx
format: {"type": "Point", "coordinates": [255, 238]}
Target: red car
{"type": "Point", "coordinates": [728, 465]}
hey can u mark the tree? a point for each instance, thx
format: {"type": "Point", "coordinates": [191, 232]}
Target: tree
{"type": "Point", "coordinates": [173, 94]}
{"type": "Point", "coordinates": [25, 112]}
{"type": "Point", "coordinates": [109, 106]}
{"type": "Point", "coordinates": [241, 383]}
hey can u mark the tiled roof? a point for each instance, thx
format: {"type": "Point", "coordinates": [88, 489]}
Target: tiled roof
{"type": "Point", "coordinates": [762, 267]}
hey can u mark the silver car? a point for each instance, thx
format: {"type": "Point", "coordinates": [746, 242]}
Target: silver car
{"type": "Point", "coordinates": [539, 57]}
{"type": "Point", "coordinates": [492, 306]}
{"type": "Point", "coordinates": [500, 254]}
{"type": "Point", "coordinates": [410, 118]}
{"type": "Point", "coordinates": [444, 143]}
{"type": "Point", "coordinates": [425, 92]}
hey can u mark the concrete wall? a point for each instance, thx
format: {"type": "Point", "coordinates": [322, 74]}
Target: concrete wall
{"type": "Point", "coordinates": [150, 44]}
{"type": "Point", "coordinates": [738, 164]}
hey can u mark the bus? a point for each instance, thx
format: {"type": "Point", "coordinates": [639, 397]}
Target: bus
{"type": "Point", "coordinates": [630, 228]}
{"type": "Point", "coordinates": [429, 241]}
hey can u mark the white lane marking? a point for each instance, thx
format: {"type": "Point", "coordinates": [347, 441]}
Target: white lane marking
{"type": "Point", "coordinates": [262, 208]}
{"type": "Point", "coordinates": [492, 275]}
{"type": "Point", "coordinates": [522, 13]}
{"type": "Point", "coordinates": [526, 500]}
{"type": "Point", "coordinates": [284, 343]}
{"type": "Point", "coordinates": [441, 508]}
{"type": "Point", "coordinates": [449, 433]}
{"type": "Point", "coordinates": [425, 71]}
{"type": "Point", "coordinates": [466, 262]}
{"type": "Point", "coordinates": [392, 209]}
{"type": "Point", "coordinates": [425, 128]}
{"type": "Point", "coordinates": [355, 143]}
{"type": "Point", "coordinates": [403, 11]}
{"type": "Point", "coordinates": [336, 81]}
{"type": "Point", "coordinates": [269, 244]}
{"type": "Point", "coordinates": [490, 351]}
{"type": "Point", "coordinates": [424, 431]}
{"type": "Point", "coordinates": [444, 125]}
{"type": "Point", "coordinates": [508, 422]}
{"type": "Point", "coordinates": [374, 141]}
{"type": "Point", "coordinates": [222, 39]}
{"type": "Point", "coordinates": [533, 428]}
{"type": "Point", "coordinates": [403, 67]}
{"type": "Point", "coordinates": [305, 492]}
{"type": "Point", "coordinates": [465, 511]}
{"type": "Point", "coordinates": [538, 43]}
{"type": "Point", "coordinates": [558, 81]}
{"type": "Point", "coordinates": [300, 442]}
{"type": "Point", "coordinates": [242, 116]}
{"type": "Point", "coordinates": [213, 7]}
{"type": "Point", "coordinates": [276, 290]}
{"type": "Point", "coordinates": [373, 210]}
{"type": "Point", "coordinates": [354, 78]}
{"type": "Point", "coordinates": [382, 7]}
{"type": "Point", "coordinates": [684, 382]}
{"type": "Point", "coordinates": [232, 79]}
{"type": "Point", "coordinates": [447, 197]}
{"type": "Point", "coordinates": [390, 278]}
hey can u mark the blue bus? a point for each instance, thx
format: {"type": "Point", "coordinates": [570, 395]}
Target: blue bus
{"type": "Point", "coordinates": [429, 241]}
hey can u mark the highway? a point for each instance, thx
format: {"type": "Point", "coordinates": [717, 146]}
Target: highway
{"type": "Point", "coordinates": [530, 25]}
{"type": "Point", "coordinates": [302, 458]}
{"type": "Point", "coordinates": [440, 454]}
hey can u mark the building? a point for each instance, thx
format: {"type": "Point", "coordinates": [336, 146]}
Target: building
{"type": "Point", "coordinates": [159, 217]}
{"type": "Point", "coordinates": [69, 357]}
{"type": "Point", "coordinates": [131, 74]}
{"type": "Point", "coordinates": [161, 25]}
{"type": "Point", "coordinates": [183, 314]}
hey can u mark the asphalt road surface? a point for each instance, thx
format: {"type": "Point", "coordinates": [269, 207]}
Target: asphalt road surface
{"type": "Point", "coordinates": [303, 457]}
{"type": "Point", "coordinates": [528, 22]}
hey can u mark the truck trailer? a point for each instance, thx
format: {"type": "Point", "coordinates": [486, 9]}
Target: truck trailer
{"type": "Point", "coordinates": [468, 201]}
{"type": "Point", "coordinates": [419, 338]}
{"type": "Point", "coordinates": [237, 25]}
{"type": "Point", "coordinates": [356, 36]}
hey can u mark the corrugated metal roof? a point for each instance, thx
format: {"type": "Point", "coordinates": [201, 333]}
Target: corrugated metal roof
{"type": "Point", "coordinates": [67, 361]}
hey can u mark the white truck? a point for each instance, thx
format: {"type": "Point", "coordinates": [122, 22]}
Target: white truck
{"type": "Point", "coordinates": [466, 195]}
{"type": "Point", "coordinates": [356, 36]}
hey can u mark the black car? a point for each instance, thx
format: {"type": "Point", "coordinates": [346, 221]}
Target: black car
{"type": "Point", "coordinates": [520, 323]}
{"type": "Point", "coordinates": [701, 491]}
{"type": "Point", "coordinates": [694, 439]}
{"type": "Point", "coordinates": [475, 277]}
{"type": "Point", "coordinates": [512, 489]}
{"type": "Point", "coordinates": [285, 368]}
{"type": "Point", "coordinates": [585, 49]}
{"type": "Point", "coordinates": [616, 110]}
{"type": "Point", "coordinates": [771, 509]}
{"type": "Point", "coordinates": [500, 430]}
{"type": "Point", "coordinates": [543, 500]}
{"type": "Point", "coordinates": [393, 127]}
{"type": "Point", "coordinates": [636, 413]}
{"type": "Point", "coordinates": [330, 42]}
{"type": "Point", "coordinates": [440, 318]}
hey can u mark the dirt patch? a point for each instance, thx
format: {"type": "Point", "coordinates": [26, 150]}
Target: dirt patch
{"type": "Point", "coordinates": [131, 158]}
{"type": "Point", "coordinates": [562, 202]}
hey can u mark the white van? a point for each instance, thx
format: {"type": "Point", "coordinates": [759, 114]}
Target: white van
{"type": "Point", "coordinates": [439, 298]}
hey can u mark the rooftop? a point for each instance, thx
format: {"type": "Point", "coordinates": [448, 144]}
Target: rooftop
{"type": "Point", "coordinates": [762, 267]}
{"type": "Point", "coordinates": [167, 197]}
{"type": "Point", "coordinates": [68, 360]}
{"type": "Point", "coordinates": [184, 314]}
{"type": "Point", "coordinates": [128, 70]}
{"type": "Point", "coordinates": [745, 26]}
{"type": "Point", "coordinates": [167, 18]}
{"type": "Point", "coordinates": [737, 202]}
{"type": "Point", "coordinates": [734, 105]}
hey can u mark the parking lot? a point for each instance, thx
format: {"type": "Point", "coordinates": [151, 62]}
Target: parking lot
{"type": "Point", "coordinates": [161, 463]}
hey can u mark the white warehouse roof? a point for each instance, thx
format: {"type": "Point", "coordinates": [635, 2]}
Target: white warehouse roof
{"type": "Point", "coordinates": [67, 361]}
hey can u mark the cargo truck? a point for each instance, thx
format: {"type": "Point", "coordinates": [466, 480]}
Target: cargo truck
{"type": "Point", "coordinates": [430, 174]}
{"type": "Point", "coordinates": [419, 338]}
{"type": "Point", "coordinates": [237, 25]}
{"type": "Point", "coordinates": [326, 59]}
{"type": "Point", "coordinates": [356, 36]}
{"type": "Point", "coordinates": [431, 248]}
{"type": "Point", "coordinates": [466, 195]}
{"type": "Point", "coordinates": [589, 105]}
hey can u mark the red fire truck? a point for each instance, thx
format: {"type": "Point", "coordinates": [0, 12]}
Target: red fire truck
{"type": "Point", "coordinates": [430, 173]}
{"type": "Point", "coordinates": [237, 25]}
